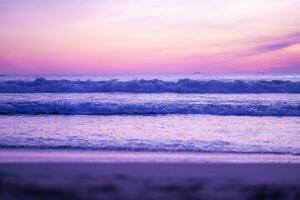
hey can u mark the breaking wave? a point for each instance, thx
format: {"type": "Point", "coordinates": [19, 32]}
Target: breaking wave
{"type": "Point", "coordinates": [136, 145]}
{"type": "Point", "coordinates": [150, 108]}
{"type": "Point", "coordinates": [150, 86]}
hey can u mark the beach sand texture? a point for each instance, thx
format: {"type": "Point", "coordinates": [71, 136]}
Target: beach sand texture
{"type": "Point", "coordinates": [149, 181]}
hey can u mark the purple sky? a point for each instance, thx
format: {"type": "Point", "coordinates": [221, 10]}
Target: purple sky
{"type": "Point", "coordinates": [170, 36]}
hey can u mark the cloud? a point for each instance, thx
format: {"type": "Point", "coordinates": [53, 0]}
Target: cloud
{"type": "Point", "coordinates": [270, 45]}
{"type": "Point", "coordinates": [281, 43]}
{"type": "Point", "coordinates": [275, 46]}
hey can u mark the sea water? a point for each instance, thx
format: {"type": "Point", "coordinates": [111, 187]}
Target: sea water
{"type": "Point", "coordinates": [197, 114]}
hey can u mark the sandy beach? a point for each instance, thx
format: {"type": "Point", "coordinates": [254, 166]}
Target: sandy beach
{"type": "Point", "coordinates": [149, 181]}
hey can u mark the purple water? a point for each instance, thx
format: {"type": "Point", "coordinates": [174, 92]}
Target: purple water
{"type": "Point", "coordinates": [256, 114]}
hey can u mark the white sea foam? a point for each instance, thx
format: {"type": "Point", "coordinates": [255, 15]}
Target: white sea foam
{"type": "Point", "coordinates": [150, 86]}
{"type": "Point", "coordinates": [159, 108]}
{"type": "Point", "coordinates": [167, 133]}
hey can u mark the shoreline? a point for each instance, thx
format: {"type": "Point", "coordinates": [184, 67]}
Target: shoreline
{"type": "Point", "coordinates": [65, 156]}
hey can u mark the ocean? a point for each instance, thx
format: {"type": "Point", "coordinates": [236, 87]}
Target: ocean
{"type": "Point", "coordinates": [193, 113]}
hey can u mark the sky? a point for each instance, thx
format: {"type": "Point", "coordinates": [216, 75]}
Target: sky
{"type": "Point", "coordinates": [143, 36]}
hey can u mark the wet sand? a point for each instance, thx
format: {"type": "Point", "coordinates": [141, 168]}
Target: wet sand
{"type": "Point", "coordinates": [149, 181]}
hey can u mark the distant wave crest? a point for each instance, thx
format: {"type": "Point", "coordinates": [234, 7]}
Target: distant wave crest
{"type": "Point", "coordinates": [150, 86]}
{"type": "Point", "coordinates": [91, 108]}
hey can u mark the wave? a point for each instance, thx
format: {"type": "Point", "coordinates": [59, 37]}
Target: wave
{"type": "Point", "coordinates": [149, 108]}
{"type": "Point", "coordinates": [134, 145]}
{"type": "Point", "coordinates": [149, 86]}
